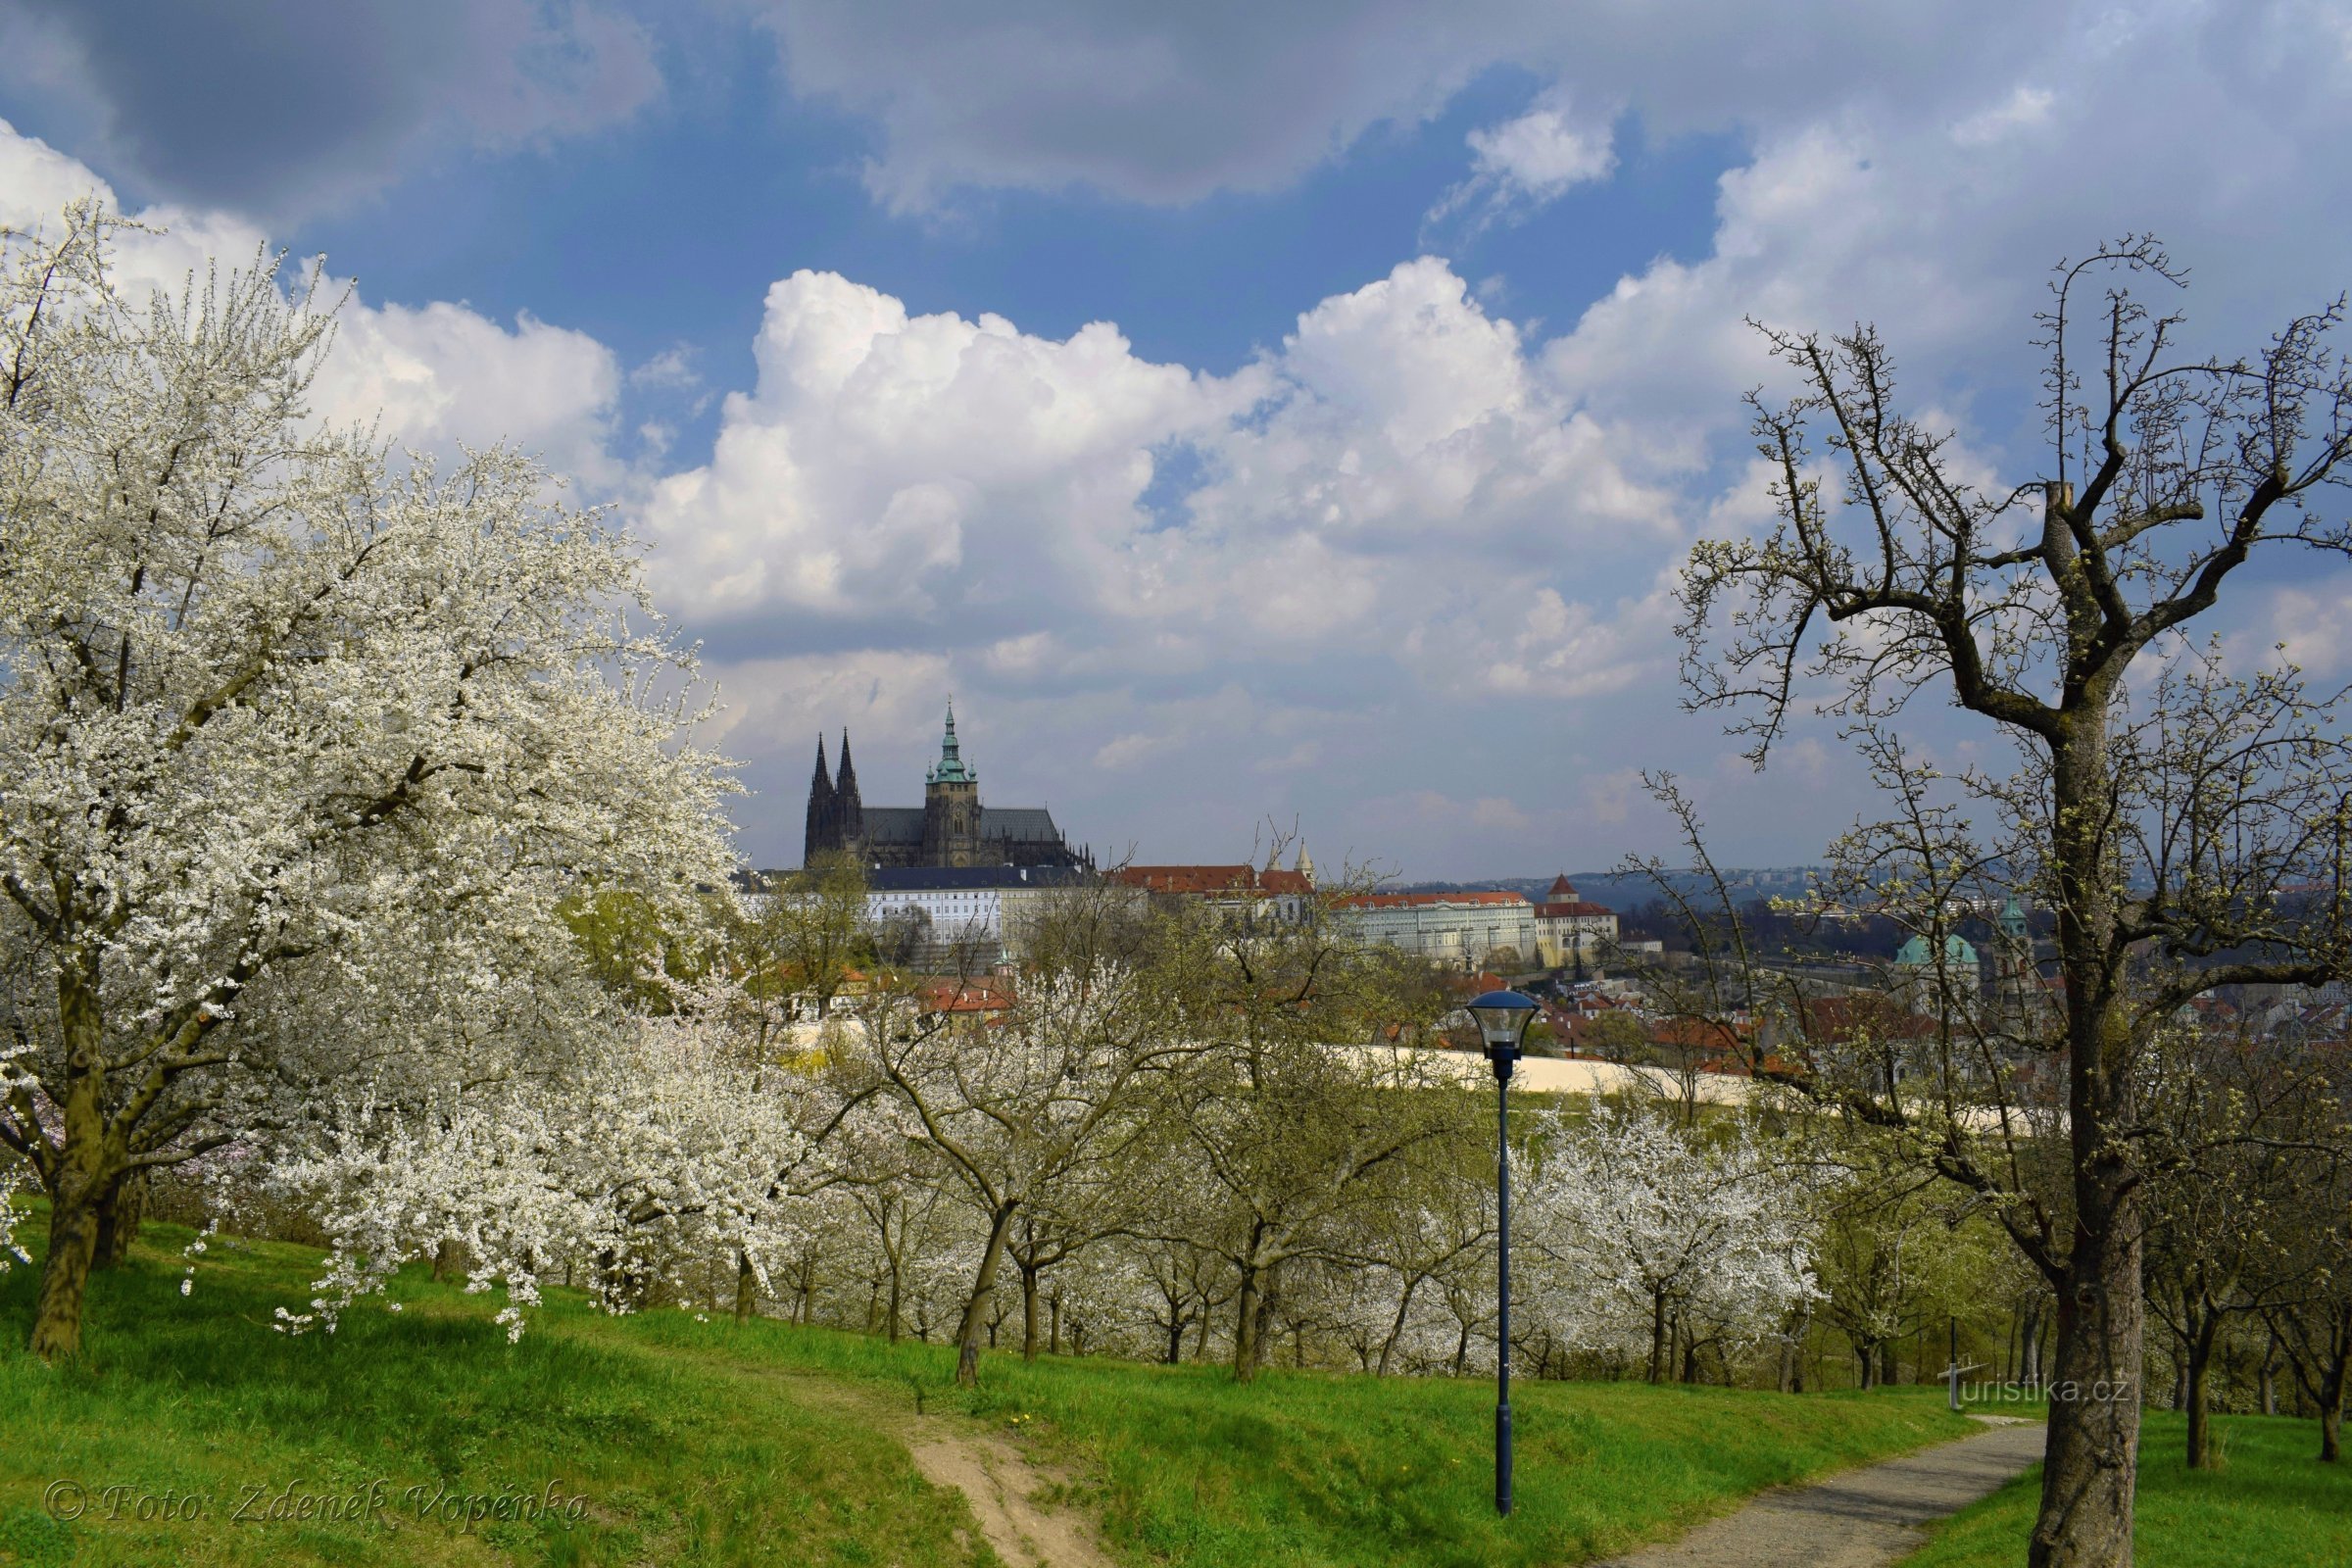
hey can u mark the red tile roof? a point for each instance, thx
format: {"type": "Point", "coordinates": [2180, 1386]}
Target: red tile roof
{"type": "Point", "coordinates": [966, 995]}
{"type": "Point", "coordinates": [1195, 879]}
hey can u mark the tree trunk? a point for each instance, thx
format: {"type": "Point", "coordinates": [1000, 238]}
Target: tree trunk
{"type": "Point", "coordinates": [1388, 1347]}
{"type": "Point", "coordinates": [65, 1275]}
{"type": "Point", "coordinates": [747, 1287]}
{"type": "Point", "coordinates": [1028, 1312]}
{"type": "Point", "coordinates": [449, 1260]}
{"type": "Point", "coordinates": [120, 1216]}
{"type": "Point", "coordinates": [975, 1310]}
{"type": "Point", "coordinates": [2331, 1390]}
{"type": "Point", "coordinates": [1657, 1333]}
{"type": "Point", "coordinates": [87, 1168]}
{"type": "Point", "coordinates": [1269, 1297]}
{"type": "Point", "coordinates": [2091, 1458]}
{"type": "Point", "coordinates": [2200, 1364]}
{"type": "Point", "coordinates": [1244, 1327]}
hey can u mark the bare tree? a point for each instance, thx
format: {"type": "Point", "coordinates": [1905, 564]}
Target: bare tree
{"type": "Point", "coordinates": [2159, 804]}
{"type": "Point", "coordinates": [1031, 1105]}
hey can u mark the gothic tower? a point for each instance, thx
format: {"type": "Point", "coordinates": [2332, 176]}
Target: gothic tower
{"type": "Point", "coordinates": [822, 835]}
{"type": "Point", "coordinates": [951, 806]}
{"type": "Point", "coordinates": [849, 812]}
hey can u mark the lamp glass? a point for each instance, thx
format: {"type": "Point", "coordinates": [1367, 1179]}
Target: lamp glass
{"type": "Point", "coordinates": [1502, 1018]}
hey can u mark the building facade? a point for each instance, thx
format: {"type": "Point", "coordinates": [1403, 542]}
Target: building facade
{"type": "Point", "coordinates": [1572, 929]}
{"type": "Point", "coordinates": [931, 917]}
{"type": "Point", "coordinates": [951, 828]}
{"type": "Point", "coordinates": [1463, 929]}
{"type": "Point", "coordinates": [1240, 892]}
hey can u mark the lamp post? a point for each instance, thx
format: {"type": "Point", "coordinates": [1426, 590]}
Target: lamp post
{"type": "Point", "coordinates": [1502, 1019]}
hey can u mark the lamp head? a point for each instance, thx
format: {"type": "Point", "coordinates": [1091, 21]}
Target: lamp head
{"type": "Point", "coordinates": [1502, 1019]}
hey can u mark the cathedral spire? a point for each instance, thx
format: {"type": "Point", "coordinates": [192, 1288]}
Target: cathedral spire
{"type": "Point", "coordinates": [951, 768]}
{"type": "Point", "coordinates": [823, 831]}
{"type": "Point", "coordinates": [849, 808]}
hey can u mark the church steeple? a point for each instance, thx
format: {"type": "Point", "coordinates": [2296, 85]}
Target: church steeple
{"type": "Point", "coordinates": [950, 768]}
{"type": "Point", "coordinates": [822, 831]}
{"type": "Point", "coordinates": [849, 808]}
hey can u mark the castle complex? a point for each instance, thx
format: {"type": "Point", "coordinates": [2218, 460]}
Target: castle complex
{"type": "Point", "coordinates": [950, 828]}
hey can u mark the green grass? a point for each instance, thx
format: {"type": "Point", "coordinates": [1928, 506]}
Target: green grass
{"type": "Point", "coordinates": [676, 1465]}
{"type": "Point", "coordinates": [2272, 1502]}
{"type": "Point", "coordinates": [700, 1442]}
{"type": "Point", "coordinates": [1182, 1465]}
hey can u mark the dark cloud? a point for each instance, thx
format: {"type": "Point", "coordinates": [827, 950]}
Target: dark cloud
{"type": "Point", "coordinates": [277, 107]}
{"type": "Point", "coordinates": [1170, 103]}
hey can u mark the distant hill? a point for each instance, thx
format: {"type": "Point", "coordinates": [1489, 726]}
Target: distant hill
{"type": "Point", "coordinates": [1624, 893]}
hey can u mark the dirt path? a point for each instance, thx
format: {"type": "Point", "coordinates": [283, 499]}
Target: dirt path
{"type": "Point", "coordinates": [998, 1482]}
{"type": "Point", "coordinates": [1002, 1489]}
{"type": "Point", "coordinates": [1862, 1519]}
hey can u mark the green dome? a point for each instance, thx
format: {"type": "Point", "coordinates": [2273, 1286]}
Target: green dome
{"type": "Point", "coordinates": [1957, 953]}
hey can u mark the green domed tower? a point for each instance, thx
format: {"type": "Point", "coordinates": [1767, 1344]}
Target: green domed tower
{"type": "Point", "coordinates": [951, 806]}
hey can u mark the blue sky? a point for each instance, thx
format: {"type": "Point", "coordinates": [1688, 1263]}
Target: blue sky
{"type": "Point", "coordinates": [1248, 412]}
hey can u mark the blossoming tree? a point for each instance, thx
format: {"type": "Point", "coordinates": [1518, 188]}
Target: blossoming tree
{"type": "Point", "coordinates": [1645, 1235]}
{"type": "Point", "coordinates": [275, 703]}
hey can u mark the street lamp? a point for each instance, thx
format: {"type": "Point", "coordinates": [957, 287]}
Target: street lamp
{"type": "Point", "coordinates": [1502, 1019]}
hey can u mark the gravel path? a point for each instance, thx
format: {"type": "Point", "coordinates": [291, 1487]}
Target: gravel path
{"type": "Point", "coordinates": [1861, 1519]}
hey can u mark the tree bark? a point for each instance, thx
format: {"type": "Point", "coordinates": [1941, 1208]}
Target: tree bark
{"type": "Point", "coordinates": [2091, 1461]}
{"type": "Point", "coordinates": [747, 1287]}
{"type": "Point", "coordinates": [1388, 1347]}
{"type": "Point", "coordinates": [2200, 1364]}
{"type": "Point", "coordinates": [65, 1277]}
{"type": "Point", "coordinates": [1028, 1312]}
{"type": "Point", "coordinates": [88, 1165]}
{"type": "Point", "coordinates": [975, 1310]}
{"type": "Point", "coordinates": [120, 1216]}
{"type": "Point", "coordinates": [1244, 1327]}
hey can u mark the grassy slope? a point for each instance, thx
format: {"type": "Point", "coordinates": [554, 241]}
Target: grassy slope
{"type": "Point", "coordinates": [680, 1466]}
{"type": "Point", "coordinates": [699, 1442]}
{"type": "Point", "coordinates": [2272, 1503]}
{"type": "Point", "coordinates": [1182, 1465]}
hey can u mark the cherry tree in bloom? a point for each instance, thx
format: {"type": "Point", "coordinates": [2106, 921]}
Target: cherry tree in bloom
{"type": "Point", "coordinates": [1640, 1234]}
{"type": "Point", "coordinates": [271, 697]}
{"type": "Point", "coordinates": [665, 1144]}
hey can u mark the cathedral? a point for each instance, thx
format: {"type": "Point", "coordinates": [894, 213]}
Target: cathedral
{"type": "Point", "coordinates": [950, 828]}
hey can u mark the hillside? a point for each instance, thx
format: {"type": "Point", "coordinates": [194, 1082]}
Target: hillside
{"type": "Point", "coordinates": [670, 1438]}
